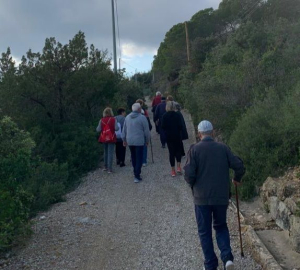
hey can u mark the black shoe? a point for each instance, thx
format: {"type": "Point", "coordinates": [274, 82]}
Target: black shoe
{"type": "Point", "coordinates": [140, 178]}
{"type": "Point", "coordinates": [122, 165]}
{"type": "Point", "coordinates": [118, 162]}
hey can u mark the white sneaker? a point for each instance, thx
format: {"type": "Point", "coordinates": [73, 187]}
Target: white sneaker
{"type": "Point", "coordinates": [136, 180]}
{"type": "Point", "coordinates": [229, 265]}
{"type": "Point", "coordinates": [144, 164]}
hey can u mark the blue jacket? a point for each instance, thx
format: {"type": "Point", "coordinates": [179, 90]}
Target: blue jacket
{"type": "Point", "coordinates": [159, 112]}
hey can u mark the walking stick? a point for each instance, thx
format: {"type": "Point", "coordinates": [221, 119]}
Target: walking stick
{"type": "Point", "coordinates": [239, 221]}
{"type": "Point", "coordinates": [151, 150]}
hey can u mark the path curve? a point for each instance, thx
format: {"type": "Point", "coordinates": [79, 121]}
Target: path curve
{"type": "Point", "coordinates": [122, 225]}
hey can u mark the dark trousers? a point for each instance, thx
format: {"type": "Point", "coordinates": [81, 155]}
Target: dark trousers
{"type": "Point", "coordinates": [163, 138]}
{"type": "Point", "coordinates": [120, 153]}
{"type": "Point", "coordinates": [137, 159]}
{"type": "Point", "coordinates": [208, 215]}
{"type": "Point", "coordinates": [175, 152]}
{"type": "Point", "coordinates": [156, 126]}
{"type": "Point", "coordinates": [182, 148]}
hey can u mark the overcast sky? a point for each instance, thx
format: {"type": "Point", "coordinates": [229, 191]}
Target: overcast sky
{"type": "Point", "coordinates": [143, 24]}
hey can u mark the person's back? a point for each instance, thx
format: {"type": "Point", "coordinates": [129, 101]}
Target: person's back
{"type": "Point", "coordinates": [135, 129]}
{"type": "Point", "coordinates": [207, 173]}
{"type": "Point", "coordinates": [136, 135]}
{"type": "Point", "coordinates": [160, 111]}
{"type": "Point", "coordinates": [172, 125]}
{"type": "Point", "coordinates": [156, 100]}
{"type": "Point", "coordinates": [212, 161]}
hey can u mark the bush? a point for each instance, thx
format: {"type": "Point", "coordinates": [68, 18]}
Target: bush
{"type": "Point", "coordinates": [14, 214]}
{"type": "Point", "coordinates": [26, 183]}
{"type": "Point", "coordinates": [15, 148]}
{"type": "Point", "coordinates": [267, 137]}
{"type": "Point", "coordinates": [48, 184]}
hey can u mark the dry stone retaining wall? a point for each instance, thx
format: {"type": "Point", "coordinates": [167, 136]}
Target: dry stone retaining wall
{"type": "Point", "coordinates": [281, 198]}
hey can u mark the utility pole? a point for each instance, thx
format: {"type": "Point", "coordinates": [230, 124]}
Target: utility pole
{"type": "Point", "coordinates": [152, 72]}
{"type": "Point", "coordinates": [136, 77]}
{"type": "Point", "coordinates": [119, 64]}
{"type": "Point", "coordinates": [114, 35]}
{"type": "Point", "coordinates": [187, 42]}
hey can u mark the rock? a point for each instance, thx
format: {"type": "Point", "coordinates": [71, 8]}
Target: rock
{"type": "Point", "coordinates": [283, 216]}
{"type": "Point", "coordinates": [288, 188]}
{"type": "Point", "coordinates": [273, 206]}
{"type": "Point", "coordinates": [295, 232]}
{"type": "Point", "coordinates": [268, 189]}
{"type": "Point", "coordinates": [85, 220]}
{"type": "Point", "coordinates": [83, 203]}
{"type": "Point", "coordinates": [291, 205]}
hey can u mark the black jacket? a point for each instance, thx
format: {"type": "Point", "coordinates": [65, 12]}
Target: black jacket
{"type": "Point", "coordinates": [184, 133]}
{"type": "Point", "coordinates": [207, 172]}
{"type": "Point", "coordinates": [159, 112]}
{"type": "Point", "coordinates": [172, 125]}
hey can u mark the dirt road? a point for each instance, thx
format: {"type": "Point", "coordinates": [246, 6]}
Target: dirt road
{"type": "Point", "coordinates": [110, 222]}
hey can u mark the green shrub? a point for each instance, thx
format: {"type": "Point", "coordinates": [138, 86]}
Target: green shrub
{"type": "Point", "coordinates": [14, 214]}
{"type": "Point", "coordinates": [74, 144]}
{"type": "Point", "coordinates": [15, 201]}
{"type": "Point", "coordinates": [267, 138]}
{"type": "Point", "coordinates": [26, 183]}
{"type": "Point", "coordinates": [48, 184]}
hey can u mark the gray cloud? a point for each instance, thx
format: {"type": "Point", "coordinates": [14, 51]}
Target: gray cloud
{"type": "Point", "coordinates": [25, 24]}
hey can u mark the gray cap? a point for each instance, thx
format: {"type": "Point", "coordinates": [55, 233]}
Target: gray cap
{"type": "Point", "coordinates": [205, 126]}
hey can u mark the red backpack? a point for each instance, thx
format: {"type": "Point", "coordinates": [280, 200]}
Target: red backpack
{"type": "Point", "coordinates": [107, 135]}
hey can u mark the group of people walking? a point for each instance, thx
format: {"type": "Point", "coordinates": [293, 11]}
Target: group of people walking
{"type": "Point", "coordinates": [134, 131]}
{"type": "Point", "coordinates": [121, 131]}
{"type": "Point", "coordinates": [171, 127]}
{"type": "Point", "coordinates": [206, 169]}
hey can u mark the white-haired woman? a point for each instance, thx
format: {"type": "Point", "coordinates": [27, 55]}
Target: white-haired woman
{"type": "Point", "coordinates": [107, 127]}
{"type": "Point", "coordinates": [172, 125]}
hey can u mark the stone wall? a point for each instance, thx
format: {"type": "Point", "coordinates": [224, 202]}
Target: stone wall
{"type": "Point", "coordinates": [281, 198]}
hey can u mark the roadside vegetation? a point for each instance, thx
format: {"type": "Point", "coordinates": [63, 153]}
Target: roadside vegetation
{"type": "Point", "coordinates": [50, 106]}
{"type": "Point", "coordinates": [244, 76]}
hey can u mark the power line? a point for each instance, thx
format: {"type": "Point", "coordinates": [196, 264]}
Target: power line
{"type": "Point", "coordinates": [249, 11]}
{"type": "Point", "coordinates": [128, 64]}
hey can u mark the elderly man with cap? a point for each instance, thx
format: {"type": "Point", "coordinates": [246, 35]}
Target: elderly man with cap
{"type": "Point", "coordinates": [207, 173]}
{"type": "Point", "coordinates": [136, 134]}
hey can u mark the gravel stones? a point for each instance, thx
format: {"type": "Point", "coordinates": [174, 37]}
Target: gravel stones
{"type": "Point", "coordinates": [123, 225]}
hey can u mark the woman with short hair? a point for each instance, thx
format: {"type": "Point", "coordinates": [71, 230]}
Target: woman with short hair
{"type": "Point", "coordinates": [107, 127]}
{"type": "Point", "coordinates": [172, 126]}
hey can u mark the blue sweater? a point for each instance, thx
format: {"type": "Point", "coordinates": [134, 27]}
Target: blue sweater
{"type": "Point", "coordinates": [136, 130]}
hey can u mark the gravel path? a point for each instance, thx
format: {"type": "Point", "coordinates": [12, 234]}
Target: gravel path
{"type": "Point", "coordinates": [109, 222]}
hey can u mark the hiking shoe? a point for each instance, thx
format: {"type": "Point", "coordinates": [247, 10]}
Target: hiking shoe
{"type": "Point", "coordinates": [139, 178]}
{"type": "Point", "coordinates": [229, 265]}
{"type": "Point", "coordinates": [179, 171]}
{"type": "Point", "coordinates": [144, 164]}
{"type": "Point", "coordinates": [136, 180]}
{"type": "Point", "coordinates": [173, 173]}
